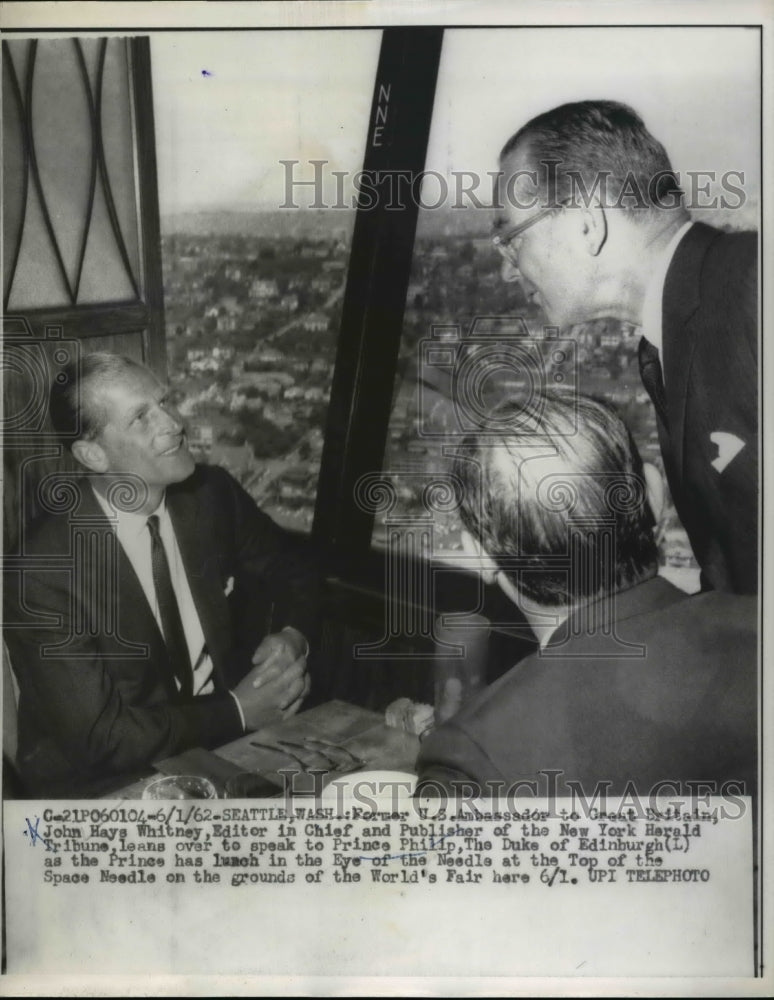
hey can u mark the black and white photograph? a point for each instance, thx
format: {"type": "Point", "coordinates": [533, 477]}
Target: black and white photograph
{"type": "Point", "coordinates": [383, 467]}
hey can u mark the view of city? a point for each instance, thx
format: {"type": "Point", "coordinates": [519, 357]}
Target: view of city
{"type": "Point", "coordinates": [457, 300]}
{"type": "Point", "coordinates": [253, 305]}
{"type": "Point", "coordinates": [253, 295]}
{"type": "Point", "coordinates": [251, 321]}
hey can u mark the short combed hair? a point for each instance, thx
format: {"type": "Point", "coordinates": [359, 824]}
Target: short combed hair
{"type": "Point", "coordinates": [580, 143]}
{"type": "Point", "coordinates": [73, 403]}
{"type": "Point", "coordinates": [572, 527]}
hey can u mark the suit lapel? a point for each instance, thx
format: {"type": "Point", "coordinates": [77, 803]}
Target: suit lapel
{"type": "Point", "coordinates": [135, 619]}
{"type": "Point", "coordinates": [681, 300]}
{"type": "Point", "coordinates": [194, 542]}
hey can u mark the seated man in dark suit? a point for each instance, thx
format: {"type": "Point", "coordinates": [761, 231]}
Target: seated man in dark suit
{"type": "Point", "coordinates": [131, 607]}
{"type": "Point", "coordinates": [635, 682]}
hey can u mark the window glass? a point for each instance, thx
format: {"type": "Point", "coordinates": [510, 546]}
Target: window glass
{"type": "Point", "coordinates": [70, 229]}
{"type": "Point", "coordinates": [251, 129]}
{"type": "Point", "coordinates": [468, 335]}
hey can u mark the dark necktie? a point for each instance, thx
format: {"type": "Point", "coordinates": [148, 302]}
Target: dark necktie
{"type": "Point", "coordinates": [171, 623]}
{"type": "Point", "coordinates": [653, 377]}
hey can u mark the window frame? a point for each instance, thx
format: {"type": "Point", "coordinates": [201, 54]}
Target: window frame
{"type": "Point", "coordinates": [143, 315]}
{"type": "Point", "coordinates": [374, 301]}
{"type": "Point", "coordinates": [375, 298]}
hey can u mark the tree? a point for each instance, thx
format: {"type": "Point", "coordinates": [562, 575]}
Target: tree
{"type": "Point", "coordinates": [467, 252]}
{"type": "Point", "coordinates": [265, 438]}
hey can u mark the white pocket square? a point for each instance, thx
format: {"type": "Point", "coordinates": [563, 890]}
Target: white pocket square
{"type": "Point", "coordinates": [229, 586]}
{"type": "Point", "coordinates": [728, 445]}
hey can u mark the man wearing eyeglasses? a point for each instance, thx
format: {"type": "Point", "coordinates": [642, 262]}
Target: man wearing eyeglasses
{"type": "Point", "coordinates": [591, 222]}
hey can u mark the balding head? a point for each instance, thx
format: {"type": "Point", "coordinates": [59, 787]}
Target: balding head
{"type": "Point", "coordinates": [554, 492]}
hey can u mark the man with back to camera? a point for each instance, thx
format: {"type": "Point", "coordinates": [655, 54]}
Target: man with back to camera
{"type": "Point", "coordinates": [150, 643]}
{"type": "Point", "coordinates": [635, 681]}
{"type": "Point", "coordinates": [591, 222]}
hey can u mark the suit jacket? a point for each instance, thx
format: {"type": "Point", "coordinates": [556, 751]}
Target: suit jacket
{"type": "Point", "coordinates": [97, 702]}
{"type": "Point", "coordinates": [684, 710]}
{"type": "Point", "coordinates": [710, 362]}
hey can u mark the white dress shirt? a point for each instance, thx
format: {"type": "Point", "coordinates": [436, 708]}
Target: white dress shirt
{"type": "Point", "coordinates": [652, 306]}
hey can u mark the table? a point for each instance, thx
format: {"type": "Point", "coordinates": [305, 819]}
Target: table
{"type": "Point", "coordinates": [360, 731]}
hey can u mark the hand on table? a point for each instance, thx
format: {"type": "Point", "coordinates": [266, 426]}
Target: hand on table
{"type": "Point", "coordinates": [278, 683]}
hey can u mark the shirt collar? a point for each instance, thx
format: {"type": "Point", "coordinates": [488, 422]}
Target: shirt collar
{"type": "Point", "coordinates": [654, 294]}
{"type": "Point", "coordinates": [129, 524]}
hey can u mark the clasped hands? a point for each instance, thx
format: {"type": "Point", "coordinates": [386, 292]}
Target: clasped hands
{"type": "Point", "coordinates": [278, 682]}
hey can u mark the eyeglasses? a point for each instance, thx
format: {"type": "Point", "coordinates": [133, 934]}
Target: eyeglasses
{"type": "Point", "coordinates": [503, 241]}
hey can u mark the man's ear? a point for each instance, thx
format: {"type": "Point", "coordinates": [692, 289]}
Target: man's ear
{"type": "Point", "coordinates": [593, 222]}
{"type": "Point", "coordinates": [484, 563]}
{"type": "Point", "coordinates": [654, 486]}
{"type": "Point", "coordinates": [90, 454]}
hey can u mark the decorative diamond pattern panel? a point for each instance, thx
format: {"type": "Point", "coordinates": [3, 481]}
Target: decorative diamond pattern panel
{"type": "Point", "coordinates": [70, 228]}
